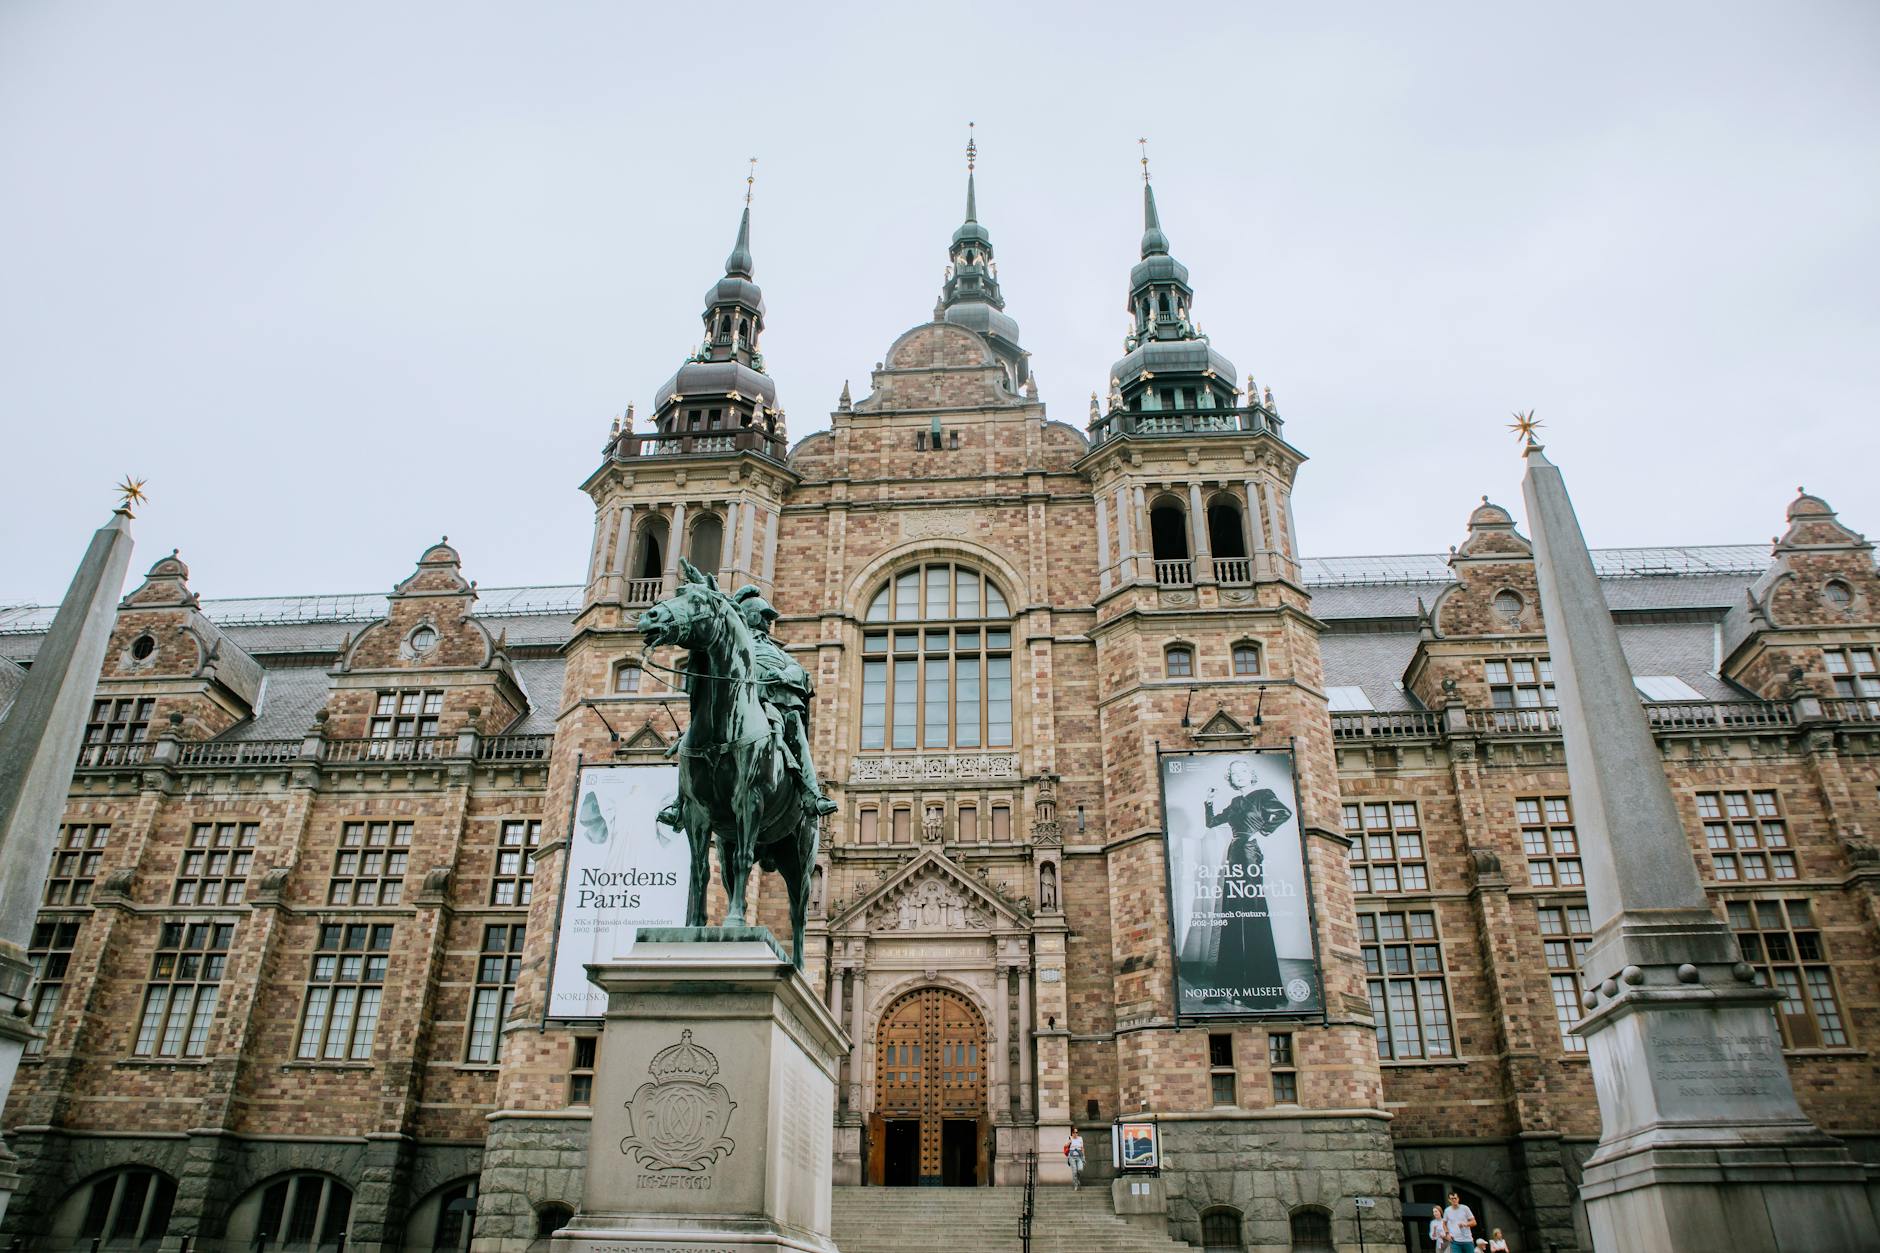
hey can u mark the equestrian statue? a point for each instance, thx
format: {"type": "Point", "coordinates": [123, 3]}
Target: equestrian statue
{"type": "Point", "coordinates": [745, 773]}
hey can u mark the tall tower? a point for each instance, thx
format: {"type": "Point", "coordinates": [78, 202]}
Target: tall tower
{"type": "Point", "coordinates": [1206, 641]}
{"type": "Point", "coordinates": [705, 483]}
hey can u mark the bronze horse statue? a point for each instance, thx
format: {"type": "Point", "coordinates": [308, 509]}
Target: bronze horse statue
{"type": "Point", "coordinates": [735, 773]}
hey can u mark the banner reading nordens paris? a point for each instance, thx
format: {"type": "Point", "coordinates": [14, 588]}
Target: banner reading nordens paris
{"type": "Point", "coordinates": [1239, 899]}
{"type": "Point", "coordinates": [625, 870]}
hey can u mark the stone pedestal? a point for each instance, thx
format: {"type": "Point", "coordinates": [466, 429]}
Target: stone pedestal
{"type": "Point", "coordinates": [713, 1103]}
{"type": "Point", "coordinates": [1703, 1145]}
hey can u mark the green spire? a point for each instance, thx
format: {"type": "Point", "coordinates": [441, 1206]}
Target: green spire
{"type": "Point", "coordinates": [972, 204]}
{"type": "Point", "coordinates": [1154, 242]}
{"type": "Point", "coordinates": [738, 264]}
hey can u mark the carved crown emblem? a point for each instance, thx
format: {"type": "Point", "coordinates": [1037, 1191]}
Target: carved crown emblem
{"type": "Point", "coordinates": [678, 1121]}
{"type": "Point", "coordinates": [684, 1060]}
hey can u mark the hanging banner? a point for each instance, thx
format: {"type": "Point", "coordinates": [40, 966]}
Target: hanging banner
{"type": "Point", "coordinates": [1239, 898]}
{"type": "Point", "coordinates": [624, 870]}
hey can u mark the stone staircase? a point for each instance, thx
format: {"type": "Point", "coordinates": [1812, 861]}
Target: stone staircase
{"type": "Point", "coordinates": [985, 1220]}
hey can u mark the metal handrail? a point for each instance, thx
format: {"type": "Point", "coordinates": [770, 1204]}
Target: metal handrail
{"type": "Point", "coordinates": [1031, 1201]}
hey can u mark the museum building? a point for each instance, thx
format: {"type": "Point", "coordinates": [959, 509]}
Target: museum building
{"type": "Point", "coordinates": [293, 954]}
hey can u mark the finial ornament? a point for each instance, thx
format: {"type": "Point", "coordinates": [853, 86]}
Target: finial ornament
{"type": "Point", "coordinates": [132, 491]}
{"type": "Point", "coordinates": [750, 182]}
{"type": "Point", "coordinates": [1524, 426]}
{"type": "Point", "coordinates": [972, 148]}
{"type": "Point", "coordinates": [1145, 158]}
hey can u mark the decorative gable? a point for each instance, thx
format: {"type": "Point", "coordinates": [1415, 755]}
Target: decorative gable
{"type": "Point", "coordinates": [931, 894]}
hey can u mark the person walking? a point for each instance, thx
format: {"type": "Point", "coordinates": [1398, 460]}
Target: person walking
{"type": "Point", "coordinates": [1074, 1156]}
{"type": "Point", "coordinates": [1460, 1221]}
{"type": "Point", "coordinates": [1439, 1230]}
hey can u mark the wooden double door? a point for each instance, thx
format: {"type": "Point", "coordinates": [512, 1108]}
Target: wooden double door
{"type": "Point", "coordinates": [929, 1127]}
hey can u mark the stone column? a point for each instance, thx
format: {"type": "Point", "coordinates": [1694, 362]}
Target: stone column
{"type": "Point", "coordinates": [1256, 531]}
{"type": "Point", "coordinates": [1125, 536]}
{"type": "Point", "coordinates": [1198, 529]}
{"type": "Point", "coordinates": [1002, 1043]}
{"type": "Point", "coordinates": [616, 587]}
{"type": "Point", "coordinates": [1702, 1144]}
{"type": "Point", "coordinates": [746, 529]}
{"type": "Point", "coordinates": [1105, 567]}
{"type": "Point", "coordinates": [39, 741]}
{"type": "Point", "coordinates": [1145, 535]}
{"type": "Point", "coordinates": [675, 544]}
{"type": "Point", "coordinates": [858, 1037]}
{"type": "Point", "coordinates": [770, 546]}
{"type": "Point", "coordinates": [1026, 1108]}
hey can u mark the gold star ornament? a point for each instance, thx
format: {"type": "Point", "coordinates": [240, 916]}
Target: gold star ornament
{"type": "Point", "coordinates": [1524, 426]}
{"type": "Point", "coordinates": [132, 492]}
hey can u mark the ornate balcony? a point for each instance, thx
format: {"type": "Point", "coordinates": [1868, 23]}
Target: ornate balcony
{"type": "Point", "coordinates": [701, 444]}
{"type": "Point", "coordinates": [1183, 423]}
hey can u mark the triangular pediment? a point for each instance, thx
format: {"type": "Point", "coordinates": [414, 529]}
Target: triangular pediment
{"type": "Point", "coordinates": [931, 893]}
{"type": "Point", "coordinates": [643, 739]}
{"type": "Point", "coordinates": [1223, 726]}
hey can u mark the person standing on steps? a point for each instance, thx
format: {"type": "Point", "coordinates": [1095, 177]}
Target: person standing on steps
{"type": "Point", "coordinates": [1074, 1156]}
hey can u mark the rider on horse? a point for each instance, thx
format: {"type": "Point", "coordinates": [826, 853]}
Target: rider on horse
{"type": "Point", "coordinates": [785, 689]}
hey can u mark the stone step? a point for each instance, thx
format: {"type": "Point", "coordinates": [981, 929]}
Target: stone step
{"type": "Point", "coordinates": [985, 1220]}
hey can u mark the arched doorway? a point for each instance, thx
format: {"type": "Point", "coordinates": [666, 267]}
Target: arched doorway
{"type": "Point", "coordinates": [929, 1127]}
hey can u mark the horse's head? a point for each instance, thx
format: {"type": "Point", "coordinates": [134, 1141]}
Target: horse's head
{"type": "Point", "coordinates": [686, 619]}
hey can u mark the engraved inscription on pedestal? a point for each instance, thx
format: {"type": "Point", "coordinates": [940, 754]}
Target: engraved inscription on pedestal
{"type": "Point", "coordinates": [1704, 1066]}
{"type": "Point", "coordinates": [678, 1121]}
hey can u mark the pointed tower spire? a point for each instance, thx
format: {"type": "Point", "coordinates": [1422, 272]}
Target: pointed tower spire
{"type": "Point", "coordinates": [972, 159]}
{"type": "Point", "coordinates": [739, 264]}
{"type": "Point", "coordinates": [1154, 242]}
{"type": "Point", "coordinates": [970, 296]}
{"type": "Point", "coordinates": [39, 741]}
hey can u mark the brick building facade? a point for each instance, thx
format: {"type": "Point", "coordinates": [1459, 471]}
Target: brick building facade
{"type": "Point", "coordinates": [292, 960]}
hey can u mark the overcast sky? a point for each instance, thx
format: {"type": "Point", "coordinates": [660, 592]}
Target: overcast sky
{"type": "Point", "coordinates": [340, 278]}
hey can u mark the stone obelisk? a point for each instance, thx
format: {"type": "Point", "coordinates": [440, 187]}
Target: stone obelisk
{"type": "Point", "coordinates": [1702, 1146]}
{"type": "Point", "coordinates": [39, 744]}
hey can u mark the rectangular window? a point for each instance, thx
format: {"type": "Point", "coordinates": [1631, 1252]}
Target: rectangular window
{"type": "Point", "coordinates": [1222, 1082]}
{"type": "Point", "coordinates": [369, 866]}
{"type": "Point", "coordinates": [1782, 940]}
{"type": "Point", "coordinates": [1387, 852]}
{"type": "Point", "coordinates": [903, 826]}
{"type": "Point", "coordinates": [998, 701]}
{"type": "Point", "coordinates": [1519, 688]}
{"type": "Point", "coordinates": [581, 1069]}
{"type": "Point", "coordinates": [341, 1016]}
{"type": "Point", "coordinates": [114, 724]}
{"type": "Point", "coordinates": [1746, 835]}
{"type": "Point", "coordinates": [1855, 676]}
{"type": "Point", "coordinates": [1403, 962]}
{"type": "Point", "coordinates": [1002, 823]}
{"type": "Point", "coordinates": [1279, 1060]}
{"type": "Point", "coordinates": [407, 721]}
{"type": "Point", "coordinates": [214, 868]}
{"type": "Point", "coordinates": [179, 1001]}
{"type": "Point", "coordinates": [906, 695]}
{"type": "Point", "coordinates": [966, 702]}
{"type": "Point", "coordinates": [75, 864]}
{"type": "Point", "coordinates": [866, 831]}
{"type": "Point", "coordinates": [969, 824]}
{"type": "Point", "coordinates": [497, 967]}
{"type": "Point", "coordinates": [51, 955]}
{"type": "Point", "coordinates": [1566, 930]}
{"type": "Point", "coordinates": [1550, 842]}
{"type": "Point", "coordinates": [875, 699]}
{"type": "Point", "coordinates": [514, 882]}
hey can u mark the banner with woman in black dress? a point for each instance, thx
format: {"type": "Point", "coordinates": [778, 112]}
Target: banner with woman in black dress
{"type": "Point", "coordinates": [1239, 900]}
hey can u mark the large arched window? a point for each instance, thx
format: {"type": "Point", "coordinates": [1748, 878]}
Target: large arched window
{"type": "Point", "coordinates": [1168, 529]}
{"type": "Point", "coordinates": [937, 661]}
{"type": "Point", "coordinates": [1220, 1230]}
{"type": "Point", "coordinates": [1311, 1230]}
{"type": "Point", "coordinates": [125, 1209]}
{"type": "Point", "coordinates": [1227, 540]}
{"type": "Point", "coordinates": [650, 561]}
{"type": "Point", "coordinates": [303, 1212]}
{"type": "Point", "coordinates": [706, 550]}
{"type": "Point", "coordinates": [444, 1221]}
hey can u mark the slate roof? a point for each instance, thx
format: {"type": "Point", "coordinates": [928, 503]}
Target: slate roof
{"type": "Point", "coordinates": [1669, 602]}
